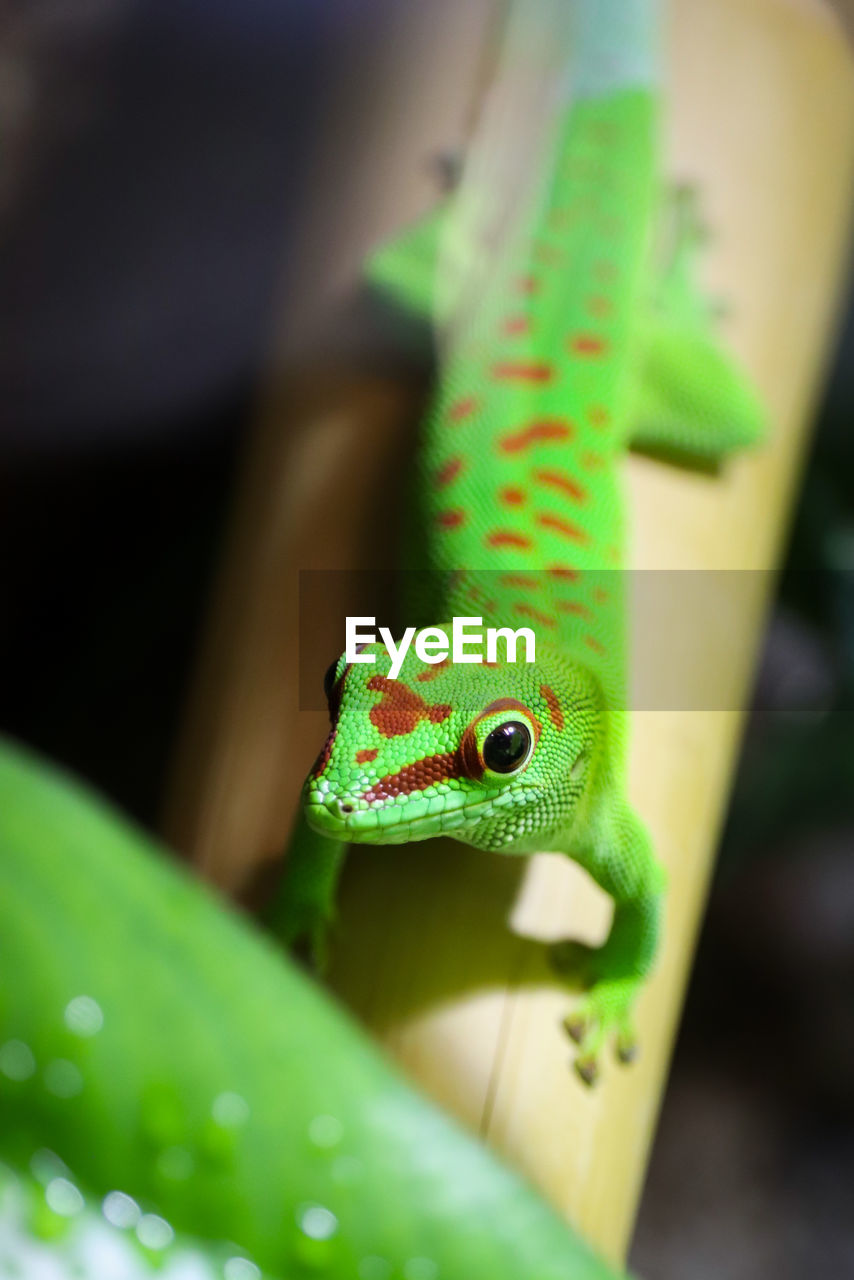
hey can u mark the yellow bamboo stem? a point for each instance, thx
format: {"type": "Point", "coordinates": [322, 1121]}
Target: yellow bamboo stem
{"type": "Point", "coordinates": [761, 119]}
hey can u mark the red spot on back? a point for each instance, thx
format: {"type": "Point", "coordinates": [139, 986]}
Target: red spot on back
{"type": "Point", "coordinates": [511, 495]}
{"type": "Point", "coordinates": [588, 345]}
{"type": "Point", "coordinates": [547, 520]}
{"type": "Point", "coordinates": [592, 461]}
{"type": "Point", "coordinates": [594, 644]}
{"type": "Point", "coordinates": [522, 371]}
{"type": "Point", "coordinates": [400, 709]}
{"type": "Point", "coordinates": [560, 571]}
{"type": "Point", "coordinates": [450, 519]}
{"type": "Point", "coordinates": [431, 672]}
{"type": "Point", "coordinates": [519, 580]}
{"type": "Point", "coordinates": [575, 607]}
{"type": "Point", "coordinates": [366, 756]}
{"type": "Point", "coordinates": [528, 611]}
{"type": "Point", "coordinates": [555, 712]}
{"type": "Point", "coordinates": [508, 538]}
{"type": "Point", "coordinates": [599, 306]}
{"type": "Point", "coordinates": [605, 271]}
{"type": "Point", "coordinates": [601, 595]}
{"type": "Point", "coordinates": [527, 284]}
{"type": "Point", "coordinates": [463, 408]}
{"type": "Point", "coordinates": [514, 325]}
{"type": "Point", "coordinates": [448, 472]}
{"type": "Point", "coordinates": [563, 482]}
{"type": "Point", "coordinates": [537, 433]}
{"type": "Point", "coordinates": [598, 415]}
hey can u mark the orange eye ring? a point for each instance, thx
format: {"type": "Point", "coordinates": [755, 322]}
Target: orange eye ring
{"type": "Point", "coordinates": [500, 716]}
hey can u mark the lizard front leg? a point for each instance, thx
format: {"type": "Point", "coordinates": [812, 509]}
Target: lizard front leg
{"type": "Point", "coordinates": [621, 860]}
{"type": "Point", "coordinates": [303, 912]}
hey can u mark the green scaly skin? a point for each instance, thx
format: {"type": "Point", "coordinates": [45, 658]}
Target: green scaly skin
{"type": "Point", "coordinates": [579, 343]}
{"type": "Point", "coordinates": [153, 1043]}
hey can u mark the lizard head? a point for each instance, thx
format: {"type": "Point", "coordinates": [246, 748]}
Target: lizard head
{"type": "Point", "coordinates": [497, 755]}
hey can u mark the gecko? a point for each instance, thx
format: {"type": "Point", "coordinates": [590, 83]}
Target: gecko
{"type": "Point", "coordinates": [590, 334]}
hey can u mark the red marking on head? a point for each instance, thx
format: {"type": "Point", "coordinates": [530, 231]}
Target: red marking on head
{"type": "Point", "coordinates": [463, 408]}
{"type": "Point", "coordinates": [515, 325]}
{"type": "Point", "coordinates": [366, 756]}
{"type": "Point", "coordinates": [547, 520]}
{"type": "Point", "coordinates": [527, 284]}
{"type": "Point", "coordinates": [450, 519]}
{"type": "Point", "coordinates": [588, 345]}
{"type": "Point", "coordinates": [576, 607]}
{"type": "Point", "coordinates": [511, 495]}
{"type": "Point", "coordinates": [592, 461]}
{"type": "Point", "coordinates": [599, 306]}
{"type": "Point", "coordinates": [598, 415]}
{"type": "Point", "coordinates": [519, 371]}
{"type": "Point", "coordinates": [462, 763]}
{"type": "Point", "coordinates": [596, 645]}
{"type": "Point", "coordinates": [520, 580]}
{"type": "Point", "coordinates": [555, 712]}
{"type": "Point", "coordinates": [326, 751]}
{"type": "Point", "coordinates": [528, 611]}
{"type": "Point", "coordinates": [432, 671]}
{"type": "Point", "coordinates": [537, 433]}
{"type": "Point", "coordinates": [400, 709]}
{"type": "Point", "coordinates": [564, 483]}
{"type": "Point", "coordinates": [419, 775]}
{"type": "Point", "coordinates": [508, 538]}
{"type": "Point", "coordinates": [448, 472]}
{"type": "Point", "coordinates": [561, 571]}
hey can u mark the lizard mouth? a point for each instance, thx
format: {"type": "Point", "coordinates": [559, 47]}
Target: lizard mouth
{"type": "Point", "coordinates": [350, 818]}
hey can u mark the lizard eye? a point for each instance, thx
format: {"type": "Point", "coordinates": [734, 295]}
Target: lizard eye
{"type": "Point", "coordinates": [329, 678]}
{"type": "Point", "coordinates": [507, 747]}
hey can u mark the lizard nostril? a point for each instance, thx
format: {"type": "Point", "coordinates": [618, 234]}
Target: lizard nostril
{"type": "Point", "coordinates": [340, 808]}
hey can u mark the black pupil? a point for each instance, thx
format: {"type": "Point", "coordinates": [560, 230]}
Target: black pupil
{"type": "Point", "coordinates": [329, 678]}
{"type": "Point", "coordinates": [506, 747]}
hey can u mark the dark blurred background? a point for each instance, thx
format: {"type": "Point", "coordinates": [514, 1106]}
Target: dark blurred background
{"type": "Point", "coordinates": [154, 154]}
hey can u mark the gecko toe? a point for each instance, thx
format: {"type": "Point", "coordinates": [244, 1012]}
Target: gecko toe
{"type": "Point", "coordinates": [587, 1070]}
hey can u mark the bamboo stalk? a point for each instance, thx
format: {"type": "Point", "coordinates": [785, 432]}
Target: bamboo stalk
{"type": "Point", "coordinates": [761, 118]}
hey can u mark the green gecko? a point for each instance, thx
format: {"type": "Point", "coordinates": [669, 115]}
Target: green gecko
{"type": "Point", "coordinates": [590, 334]}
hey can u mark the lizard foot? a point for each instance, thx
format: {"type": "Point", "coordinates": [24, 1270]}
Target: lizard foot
{"type": "Point", "coordinates": [603, 1014]}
